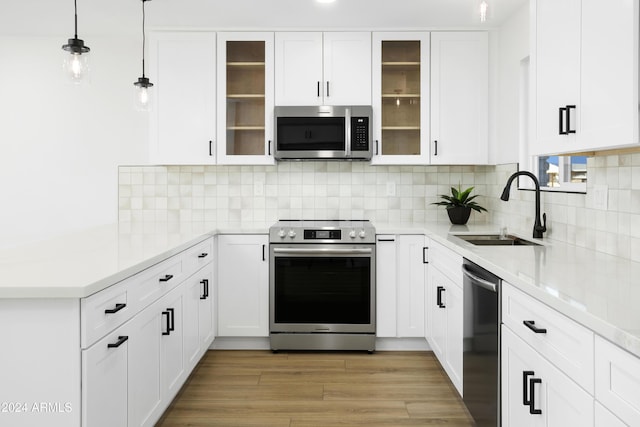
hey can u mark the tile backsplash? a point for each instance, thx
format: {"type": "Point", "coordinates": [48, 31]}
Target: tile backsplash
{"type": "Point", "coordinates": [290, 190]}
{"type": "Point", "coordinates": [385, 194]}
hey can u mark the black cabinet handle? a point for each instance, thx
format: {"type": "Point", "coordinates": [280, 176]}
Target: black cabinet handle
{"type": "Point", "coordinates": [318, 89]}
{"type": "Point", "coordinates": [439, 291]}
{"type": "Point", "coordinates": [531, 325]}
{"type": "Point", "coordinates": [386, 240]}
{"type": "Point", "coordinates": [264, 247]}
{"type": "Point", "coordinates": [168, 324]}
{"type": "Point", "coordinates": [532, 395]}
{"type": "Point", "coordinates": [205, 288]}
{"type": "Point", "coordinates": [121, 340]}
{"type": "Point", "coordinates": [210, 148]}
{"type": "Point", "coordinates": [436, 147]}
{"type": "Point", "coordinates": [269, 148]}
{"type": "Point", "coordinates": [560, 121]}
{"type": "Point", "coordinates": [173, 319]}
{"type": "Point", "coordinates": [328, 89]}
{"type": "Point", "coordinates": [166, 277]}
{"type": "Point", "coordinates": [425, 260]}
{"type": "Point", "coordinates": [525, 387]}
{"type": "Point", "coordinates": [568, 109]}
{"type": "Point", "coordinates": [116, 309]}
{"type": "Point", "coordinates": [203, 255]}
{"type": "Point", "coordinates": [377, 148]}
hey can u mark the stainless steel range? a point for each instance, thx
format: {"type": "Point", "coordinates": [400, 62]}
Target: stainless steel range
{"type": "Point", "coordinates": [322, 292]}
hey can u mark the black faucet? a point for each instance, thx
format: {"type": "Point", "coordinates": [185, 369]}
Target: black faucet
{"type": "Point", "coordinates": [538, 228]}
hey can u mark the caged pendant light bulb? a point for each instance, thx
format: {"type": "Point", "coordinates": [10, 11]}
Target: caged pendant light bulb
{"type": "Point", "coordinates": [76, 58]}
{"type": "Point", "coordinates": [142, 87]}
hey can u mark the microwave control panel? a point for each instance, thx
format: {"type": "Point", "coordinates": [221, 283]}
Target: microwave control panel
{"type": "Point", "coordinates": [360, 133]}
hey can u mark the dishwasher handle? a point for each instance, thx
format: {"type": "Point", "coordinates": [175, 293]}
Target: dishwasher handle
{"type": "Point", "coordinates": [493, 287]}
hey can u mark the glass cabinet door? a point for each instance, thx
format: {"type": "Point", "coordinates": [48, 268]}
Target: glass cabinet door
{"type": "Point", "coordinates": [402, 99]}
{"type": "Point", "coordinates": [247, 87]}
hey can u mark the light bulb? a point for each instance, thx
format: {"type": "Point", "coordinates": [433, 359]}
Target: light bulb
{"type": "Point", "coordinates": [76, 67]}
{"type": "Point", "coordinates": [484, 6]}
{"type": "Point", "coordinates": [143, 94]}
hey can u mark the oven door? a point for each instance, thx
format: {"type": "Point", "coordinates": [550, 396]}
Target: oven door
{"type": "Point", "coordinates": [322, 288]}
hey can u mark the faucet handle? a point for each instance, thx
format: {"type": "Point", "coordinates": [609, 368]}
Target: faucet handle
{"type": "Point", "coordinates": [544, 223]}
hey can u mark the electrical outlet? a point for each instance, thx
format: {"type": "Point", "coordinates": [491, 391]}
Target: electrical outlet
{"type": "Point", "coordinates": [600, 197]}
{"type": "Point", "coordinates": [391, 188]}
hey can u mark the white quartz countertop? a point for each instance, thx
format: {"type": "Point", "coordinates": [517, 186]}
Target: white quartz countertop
{"type": "Point", "coordinates": [597, 290]}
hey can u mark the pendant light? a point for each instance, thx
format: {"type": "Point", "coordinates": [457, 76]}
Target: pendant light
{"type": "Point", "coordinates": [76, 61]}
{"type": "Point", "coordinates": [142, 93]}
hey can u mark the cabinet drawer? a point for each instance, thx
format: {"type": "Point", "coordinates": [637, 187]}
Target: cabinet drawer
{"type": "Point", "coordinates": [154, 282]}
{"type": "Point", "coordinates": [618, 381]}
{"type": "Point", "coordinates": [104, 311]}
{"type": "Point", "coordinates": [446, 260]}
{"type": "Point", "coordinates": [567, 344]}
{"type": "Point", "coordinates": [197, 256]}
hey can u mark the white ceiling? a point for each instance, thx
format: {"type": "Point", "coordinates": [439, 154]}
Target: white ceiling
{"type": "Point", "coordinates": [108, 17]}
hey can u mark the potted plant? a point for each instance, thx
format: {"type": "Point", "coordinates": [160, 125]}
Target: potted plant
{"type": "Point", "coordinates": [459, 205]}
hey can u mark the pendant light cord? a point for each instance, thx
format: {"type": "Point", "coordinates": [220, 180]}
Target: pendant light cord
{"type": "Point", "coordinates": [143, 37]}
{"type": "Point", "coordinates": [75, 14]}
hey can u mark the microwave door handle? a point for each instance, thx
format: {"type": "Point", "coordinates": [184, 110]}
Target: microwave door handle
{"type": "Point", "coordinates": [347, 132]}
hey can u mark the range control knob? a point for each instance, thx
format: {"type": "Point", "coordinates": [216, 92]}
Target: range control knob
{"type": "Point", "coordinates": [281, 233]}
{"type": "Point", "coordinates": [362, 234]}
{"type": "Point", "coordinates": [292, 233]}
{"type": "Point", "coordinates": [352, 234]}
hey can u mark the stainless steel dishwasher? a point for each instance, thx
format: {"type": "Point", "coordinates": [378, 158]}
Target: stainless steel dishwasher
{"type": "Point", "coordinates": [481, 344]}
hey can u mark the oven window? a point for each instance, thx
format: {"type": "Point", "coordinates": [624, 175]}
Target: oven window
{"type": "Point", "coordinates": [311, 133]}
{"type": "Point", "coordinates": [322, 290]}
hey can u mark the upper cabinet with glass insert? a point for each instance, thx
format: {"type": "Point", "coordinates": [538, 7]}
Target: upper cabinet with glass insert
{"type": "Point", "coordinates": [245, 103]}
{"type": "Point", "coordinates": [401, 98]}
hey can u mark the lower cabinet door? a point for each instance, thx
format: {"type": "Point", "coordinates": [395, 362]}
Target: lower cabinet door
{"type": "Point", "coordinates": [104, 381]}
{"type": "Point", "coordinates": [205, 310]}
{"type": "Point", "coordinates": [453, 347]}
{"type": "Point", "coordinates": [194, 290]}
{"type": "Point", "coordinates": [437, 312]}
{"type": "Point", "coordinates": [145, 392]}
{"type": "Point", "coordinates": [172, 363]}
{"type": "Point", "coordinates": [536, 393]}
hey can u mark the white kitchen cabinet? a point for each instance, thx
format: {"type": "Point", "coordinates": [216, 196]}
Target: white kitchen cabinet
{"type": "Point", "coordinates": [400, 76]}
{"type": "Point", "coordinates": [459, 98]}
{"type": "Point", "coordinates": [584, 63]}
{"type": "Point", "coordinates": [617, 382]}
{"type": "Point", "coordinates": [243, 285]}
{"type": "Point", "coordinates": [173, 372]}
{"type": "Point", "coordinates": [445, 314]}
{"type": "Point", "coordinates": [245, 105]}
{"type": "Point", "coordinates": [536, 393]}
{"type": "Point", "coordinates": [182, 66]}
{"type": "Point", "coordinates": [104, 379]}
{"type": "Point", "coordinates": [314, 68]}
{"type": "Point", "coordinates": [400, 278]}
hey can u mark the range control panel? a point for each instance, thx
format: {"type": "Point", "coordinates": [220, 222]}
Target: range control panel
{"type": "Point", "coordinates": [322, 234]}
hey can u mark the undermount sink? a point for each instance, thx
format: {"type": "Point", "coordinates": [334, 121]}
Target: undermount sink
{"type": "Point", "coordinates": [495, 240]}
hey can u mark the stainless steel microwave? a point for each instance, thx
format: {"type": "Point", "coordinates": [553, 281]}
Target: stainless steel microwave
{"type": "Point", "coordinates": [323, 133]}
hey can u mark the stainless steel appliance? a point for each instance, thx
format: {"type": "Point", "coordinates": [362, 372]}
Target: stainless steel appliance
{"type": "Point", "coordinates": [322, 292]}
{"type": "Point", "coordinates": [323, 133]}
{"type": "Point", "coordinates": [481, 345]}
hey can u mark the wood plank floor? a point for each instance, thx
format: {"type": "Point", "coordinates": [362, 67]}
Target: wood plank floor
{"type": "Point", "coordinates": [296, 389]}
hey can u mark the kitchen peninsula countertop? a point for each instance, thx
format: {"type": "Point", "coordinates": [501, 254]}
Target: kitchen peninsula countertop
{"type": "Point", "coordinates": [597, 290]}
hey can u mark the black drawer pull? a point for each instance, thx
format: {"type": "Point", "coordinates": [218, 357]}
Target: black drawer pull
{"type": "Point", "coordinates": [168, 324]}
{"type": "Point", "coordinates": [525, 387]}
{"type": "Point", "coordinates": [425, 258]}
{"type": "Point", "coordinates": [121, 340]}
{"type": "Point", "coordinates": [531, 325]}
{"type": "Point", "coordinates": [532, 395]}
{"type": "Point", "coordinates": [439, 291]}
{"type": "Point", "coordinates": [173, 320]}
{"type": "Point", "coordinates": [117, 308]}
{"type": "Point", "coordinates": [203, 255]}
{"type": "Point", "coordinates": [205, 289]}
{"type": "Point", "coordinates": [166, 277]}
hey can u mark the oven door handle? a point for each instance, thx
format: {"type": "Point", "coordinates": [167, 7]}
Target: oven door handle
{"type": "Point", "coordinates": [322, 251]}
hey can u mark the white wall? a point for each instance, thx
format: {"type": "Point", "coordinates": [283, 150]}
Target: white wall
{"type": "Point", "coordinates": [60, 144]}
{"type": "Point", "coordinates": [513, 47]}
